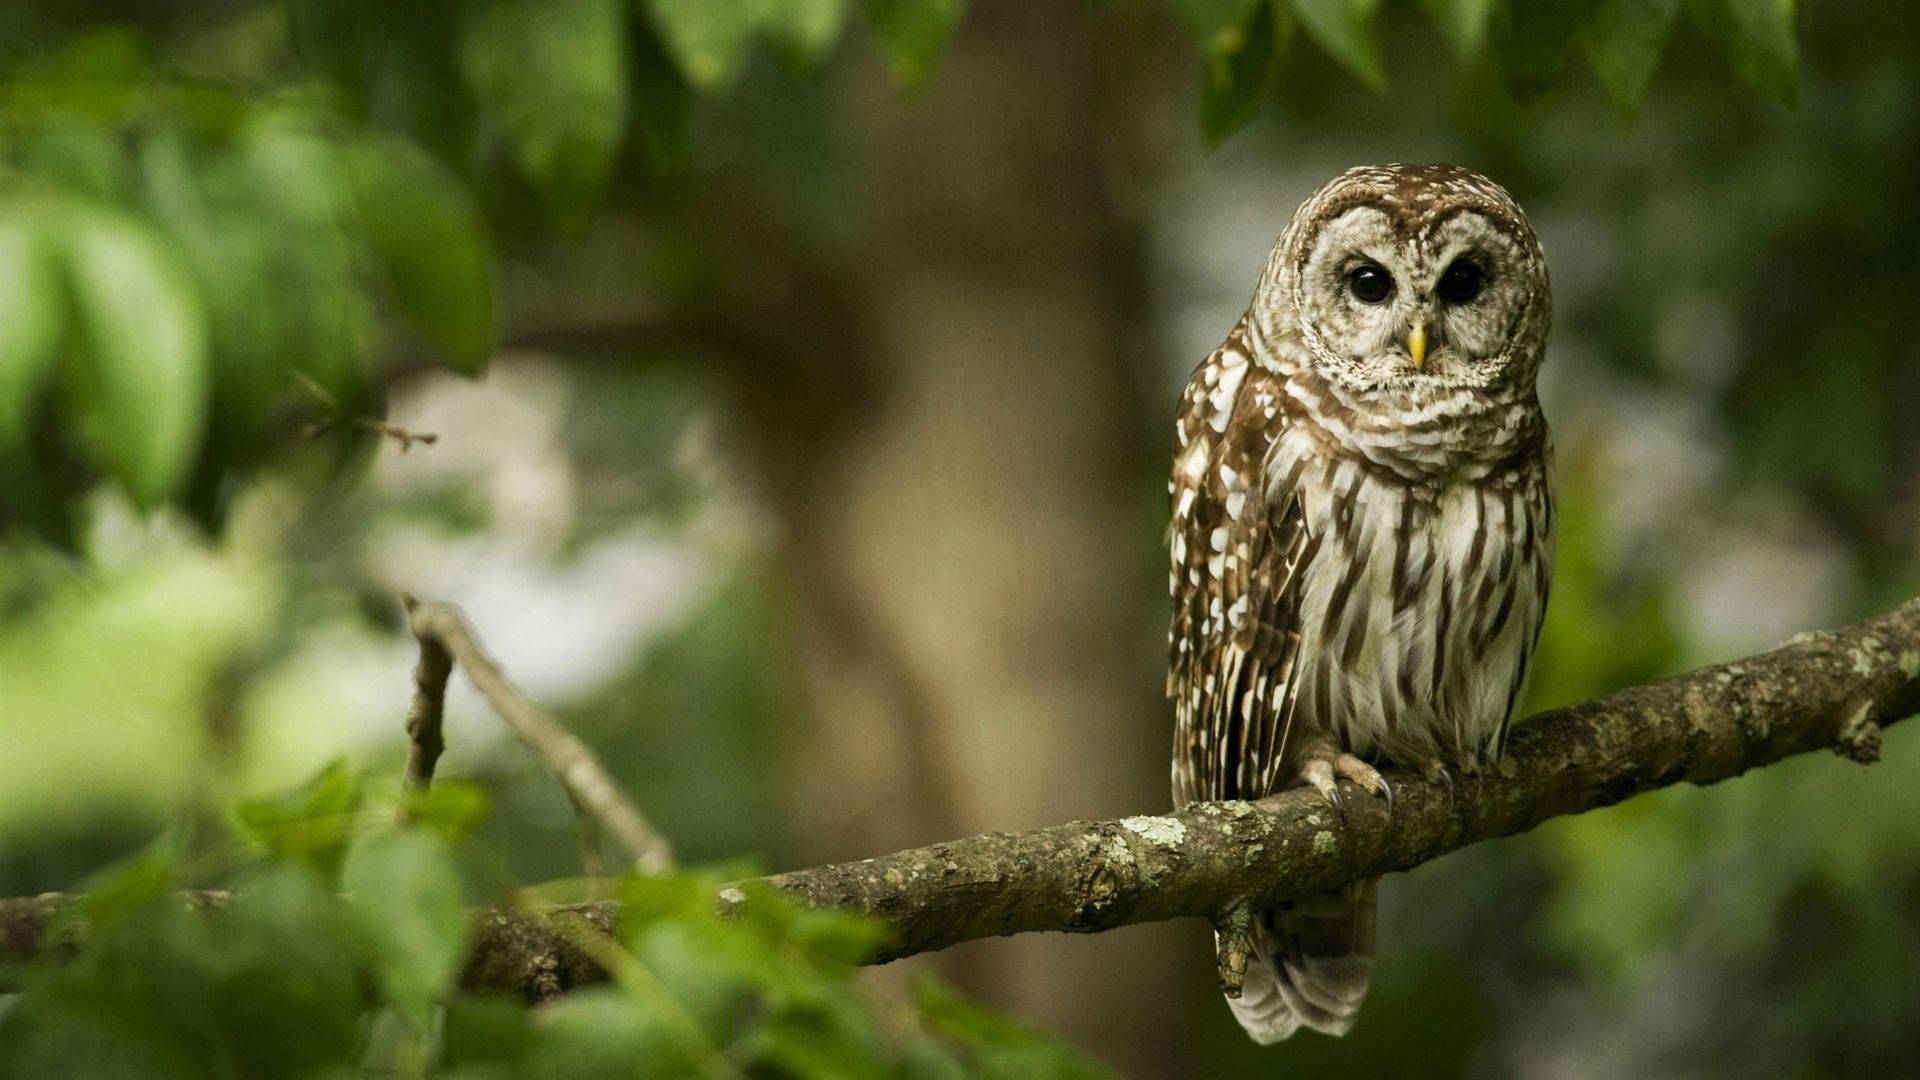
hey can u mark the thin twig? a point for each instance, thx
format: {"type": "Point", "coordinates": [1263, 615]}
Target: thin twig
{"type": "Point", "coordinates": [591, 863]}
{"type": "Point", "coordinates": [336, 417]}
{"type": "Point", "coordinates": [424, 716]}
{"type": "Point", "coordinates": [569, 760]}
{"type": "Point", "coordinates": [405, 437]}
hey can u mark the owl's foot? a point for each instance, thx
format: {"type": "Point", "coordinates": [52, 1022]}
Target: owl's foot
{"type": "Point", "coordinates": [1326, 767]}
{"type": "Point", "coordinates": [1436, 773]}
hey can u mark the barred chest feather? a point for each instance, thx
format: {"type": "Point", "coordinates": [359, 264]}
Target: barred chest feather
{"type": "Point", "coordinates": [1374, 571]}
{"type": "Point", "coordinates": [1419, 606]}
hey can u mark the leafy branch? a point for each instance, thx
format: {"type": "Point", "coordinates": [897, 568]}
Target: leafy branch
{"type": "Point", "coordinates": [178, 255]}
{"type": "Point", "coordinates": [1830, 690]}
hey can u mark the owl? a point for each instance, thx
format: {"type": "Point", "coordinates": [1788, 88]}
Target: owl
{"type": "Point", "coordinates": [1362, 532]}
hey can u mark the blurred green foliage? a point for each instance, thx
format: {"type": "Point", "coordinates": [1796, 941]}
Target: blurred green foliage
{"type": "Point", "coordinates": [338, 949]}
{"type": "Point", "coordinates": [195, 248]}
{"type": "Point", "coordinates": [227, 229]}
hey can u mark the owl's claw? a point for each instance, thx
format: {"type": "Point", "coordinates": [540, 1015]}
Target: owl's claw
{"type": "Point", "coordinates": [1324, 772]}
{"type": "Point", "coordinates": [1318, 774]}
{"type": "Point", "coordinates": [1437, 773]}
{"type": "Point", "coordinates": [1365, 775]}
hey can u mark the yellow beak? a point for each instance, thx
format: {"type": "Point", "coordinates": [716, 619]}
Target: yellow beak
{"type": "Point", "coordinates": [1417, 343]}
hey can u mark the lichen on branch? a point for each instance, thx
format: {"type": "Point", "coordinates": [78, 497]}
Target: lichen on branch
{"type": "Point", "coordinates": [1831, 690]}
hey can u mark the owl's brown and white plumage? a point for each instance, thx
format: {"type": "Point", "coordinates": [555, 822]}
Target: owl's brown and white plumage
{"type": "Point", "coordinates": [1362, 530]}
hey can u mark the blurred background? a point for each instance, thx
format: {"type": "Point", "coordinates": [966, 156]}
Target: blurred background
{"type": "Point", "coordinates": [802, 381]}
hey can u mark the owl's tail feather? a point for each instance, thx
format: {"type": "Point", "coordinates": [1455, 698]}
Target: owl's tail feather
{"type": "Point", "coordinates": [1310, 966]}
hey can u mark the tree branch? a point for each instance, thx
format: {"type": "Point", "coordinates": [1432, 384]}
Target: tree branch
{"type": "Point", "coordinates": [428, 711]}
{"type": "Point", "coordinates": [1832, 690]}
{"type": "Point", "coordinates": [444, 637]}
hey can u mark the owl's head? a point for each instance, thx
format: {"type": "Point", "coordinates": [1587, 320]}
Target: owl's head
{"type": "Point", "coordinates": [1409, 276]}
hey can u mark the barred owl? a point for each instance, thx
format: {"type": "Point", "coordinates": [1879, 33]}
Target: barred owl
{"type": "Point", "coordinates": [1362, 532]}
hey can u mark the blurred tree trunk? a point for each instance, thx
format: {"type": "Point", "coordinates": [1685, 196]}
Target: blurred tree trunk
{"type": "Point", "coordinates": [965, 468]}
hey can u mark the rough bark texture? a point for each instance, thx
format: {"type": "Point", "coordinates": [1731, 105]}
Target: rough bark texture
{"type": "Point", "coordinates": [427, 714]}
{"type": "Point", "coordinates": [528, 954]}
{"type": "Point", "coordinates": [1832, 690]}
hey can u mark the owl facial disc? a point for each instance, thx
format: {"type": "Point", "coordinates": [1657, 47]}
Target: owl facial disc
{"type": "Point", "coordinates": [1412, 276]}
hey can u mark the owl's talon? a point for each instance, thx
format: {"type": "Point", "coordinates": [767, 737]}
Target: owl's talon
{"type": "Point", "coordinates": [1317, 773]}
{"type": "Point", "coordinates": [1363, 774]}
{"type": "Point", "coordinates": [1324, 771]}
{"type": "Point", "coordinates": [1437, 773]}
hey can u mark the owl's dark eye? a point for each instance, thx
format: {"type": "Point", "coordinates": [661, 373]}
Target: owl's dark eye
{"type": "Point", "coordinates": [1462, 282]}
{"type": "Point", "coordinates": [1369, 284]}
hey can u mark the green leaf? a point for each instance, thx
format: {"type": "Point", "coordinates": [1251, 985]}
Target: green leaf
{"type": "Point", "coordinates": [830, 940]}
{"type": "Point", "coordinates": [924, 1059]}
{"type": "Point", "coordinates": [418, 90]}
{"type": "Point", "coordinates": [128, 887]}
{"type": "Point", "coordinates": [32, 314]}
{"type": "Point", "coordinates": [1758, 37]}
{"type": "Point", "coordinates": [1344, 28]}
{"type": "Point", "coordinates": [809, 27]}
{"type": "Point", "coordinates": [289, 985]}
{"type": "Point", "coordinates": [339, 40]}
{"type": "Point", "coordinates": [452, 808]}
{"type": "Point", "coordinates": [97, 74]}
{"type": "Point", "coordinates": [304, 308]}
{"type": "Point", "coordinates": [1217, 26]}
{"type": "Point", "coordinates": [485, 1029]}
{"type": "Point", "coordinates": [552, 75]}
{"type": "Point", "coordinates": [258, 216]}
{"type": "Point", "coordinates": [83, 157]}
{"type": "Point", "coordinates": [425, 232]}
{"type": "Point", "coordinates": [659, 129]}
{"type": "Point", "coordinates": [309, 824]}
{"type": "Point", "coordinates": [1240, 70]}
{"type": "Point", "coordinates": [798, 1044]}
{"type": "Point", "coordinates": [412, 906]}
{"type": "Point", "coordinates": [645, 901]}
{"type": "Point", "coordinates": [998, 1045]}
{"type": "Point", "coordinates": [114, 893]}
{"type": "Point", "coordinates": [1534, 40]}
{"type": "Point", "coordinates": [138, 390]}
{"type": "Point", "coordinates": [913, 34]}
{"type": "Point", "coordinates": [838, 940]}
{"type": "Point", "coordinates": [1462, 22]}
{"type": "Point", "coordinates": [709, 41]}
{"type": "Point", "coordinates": [49, 1034]}
{"type": "Point", "coordinates": [600, 1032]}
{"type": "Point", "coordinates": [1624, 40]}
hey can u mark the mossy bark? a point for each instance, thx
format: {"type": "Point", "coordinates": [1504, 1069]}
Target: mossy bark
{"type": "Point", "coordinates": [1833, 690]}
